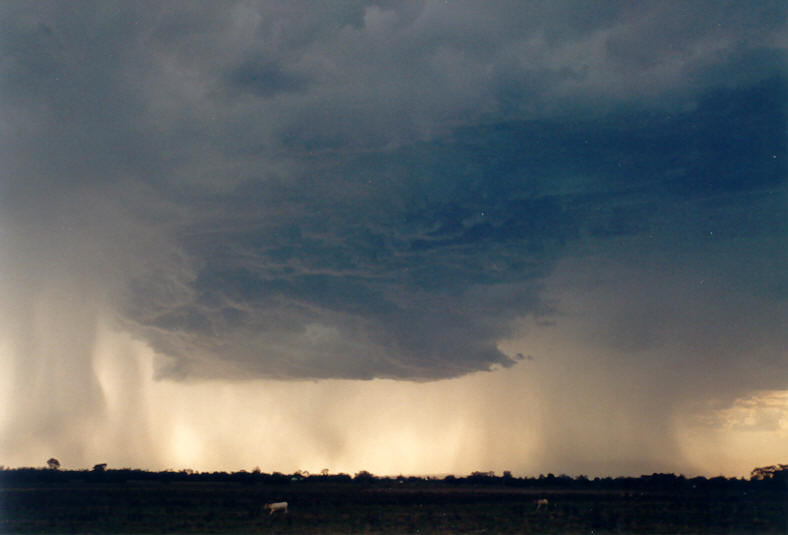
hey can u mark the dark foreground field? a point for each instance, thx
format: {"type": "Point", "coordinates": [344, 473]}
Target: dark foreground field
{"type": "Point", "coordinates": [207, 507]}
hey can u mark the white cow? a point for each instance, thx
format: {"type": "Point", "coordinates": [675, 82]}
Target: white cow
{"type": "Point", "coordinates": [540, 502]}
{"type": "Point", "coordinates": [276, 506]}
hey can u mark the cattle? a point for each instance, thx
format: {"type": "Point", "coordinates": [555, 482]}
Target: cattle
{"type": "Point", "coordinates": [540, 502]}
{"type": "Point", "coordinates": [276, 506]}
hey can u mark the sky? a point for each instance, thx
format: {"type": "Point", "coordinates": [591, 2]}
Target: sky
{"type": "Point", "coordinates": [417, 237]}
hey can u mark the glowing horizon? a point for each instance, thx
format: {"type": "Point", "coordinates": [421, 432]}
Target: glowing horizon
{"type": "Point", "coordinates": [214, 425]}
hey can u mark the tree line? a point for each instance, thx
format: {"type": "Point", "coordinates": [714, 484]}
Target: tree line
{"type": "Point", "coordinates": [768, 477]}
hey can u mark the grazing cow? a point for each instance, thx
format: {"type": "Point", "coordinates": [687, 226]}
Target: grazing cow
{"type": "Point", "coordinates": [540, 502]}
{"type": "Point", "coordinates": [276, 506]}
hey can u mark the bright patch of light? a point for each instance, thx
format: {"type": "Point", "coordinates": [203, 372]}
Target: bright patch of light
{"type": "Point", "coordinates": [734, 438]}
{"type": "Point", "coordinates": [760, 411]}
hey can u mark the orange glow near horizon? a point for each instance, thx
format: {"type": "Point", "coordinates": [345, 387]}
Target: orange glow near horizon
{"type": "Point", "coordinates": [530, 419]}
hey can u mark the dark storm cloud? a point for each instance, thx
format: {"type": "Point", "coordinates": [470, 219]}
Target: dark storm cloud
{"type": "Point", "coordinates": [266, 79]}
{"type": "Point", "coordinates": [353, 190]}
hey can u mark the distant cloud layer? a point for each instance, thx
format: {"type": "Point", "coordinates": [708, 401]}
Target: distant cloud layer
{"type": "Point", "coordinates": [351, 190]}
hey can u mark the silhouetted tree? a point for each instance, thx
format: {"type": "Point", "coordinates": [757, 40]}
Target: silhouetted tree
{"type": "Point", "coordinates": [53, 464]}
{"type": "Point", "coordinates": [364, 477]}
{"type": "Point", "coordinates": [768, 472]}
{"type": "Point", "coordinates": [99, 467]}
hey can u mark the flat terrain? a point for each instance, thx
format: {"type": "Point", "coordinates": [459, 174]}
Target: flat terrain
{"type": "Point", "coordinates": [208, 507]}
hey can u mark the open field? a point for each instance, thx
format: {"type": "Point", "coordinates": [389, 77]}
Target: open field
{"type": "Point", "coordinates": [209, 507]}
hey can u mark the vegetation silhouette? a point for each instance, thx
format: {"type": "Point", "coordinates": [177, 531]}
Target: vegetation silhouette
{"type": "Point", "coordinates": [126, 500]}
{"type": "Point", "coordinates": [769, 477]}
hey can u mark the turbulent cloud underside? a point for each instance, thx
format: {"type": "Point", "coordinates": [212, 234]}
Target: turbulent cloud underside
{"type": "Point", "coordinates": [363, 191]}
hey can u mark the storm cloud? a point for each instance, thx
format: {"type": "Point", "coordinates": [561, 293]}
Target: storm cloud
{"type": "Point", "coordinates": [354, 190]}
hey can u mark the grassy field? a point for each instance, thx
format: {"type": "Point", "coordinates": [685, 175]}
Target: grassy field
{"type": "Point", "coordinates": [326, 508]}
